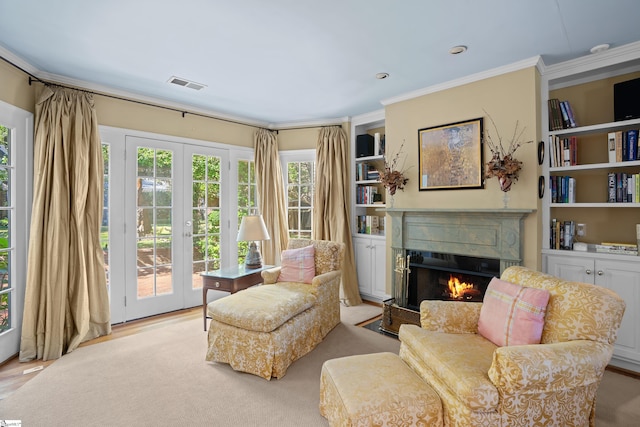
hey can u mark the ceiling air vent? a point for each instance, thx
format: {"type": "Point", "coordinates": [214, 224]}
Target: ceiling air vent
{"type": "Point", "coordinates": [186, 83]}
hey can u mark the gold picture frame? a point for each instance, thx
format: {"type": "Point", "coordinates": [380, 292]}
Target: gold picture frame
{"type": "Point", "coordinates": [450, 156]}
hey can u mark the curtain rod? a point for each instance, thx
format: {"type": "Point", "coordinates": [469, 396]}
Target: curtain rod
{"type": "Point", "coordinates": [33, 78]}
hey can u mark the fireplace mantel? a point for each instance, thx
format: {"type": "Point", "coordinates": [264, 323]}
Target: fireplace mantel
{"type": "Point", "coordinates": [490, 233]}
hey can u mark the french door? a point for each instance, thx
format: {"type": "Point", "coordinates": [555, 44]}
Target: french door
{"type": "Point", "coordinates": [16, 168]}
{"type": "Point", "coordinates": [173, 223]}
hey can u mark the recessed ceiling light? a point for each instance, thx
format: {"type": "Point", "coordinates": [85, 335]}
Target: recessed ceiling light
{"type": "Point", "coordinates": [457, 50]}
{"type": "Point", "coordinates": [600, 48]}
{"type": "Point", "coordinates": [382, 76]}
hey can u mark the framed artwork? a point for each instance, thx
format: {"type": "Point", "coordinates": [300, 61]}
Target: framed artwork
{"type": "Point", "coordinates": [451, 156]}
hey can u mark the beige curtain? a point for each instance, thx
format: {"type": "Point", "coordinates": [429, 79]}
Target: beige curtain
{"type": "Point", "coordinates": [271, 197]}
{"type": "Point", "coordinates": [66, 299]}
{"type": "Point", "coordinates": [331, 208]}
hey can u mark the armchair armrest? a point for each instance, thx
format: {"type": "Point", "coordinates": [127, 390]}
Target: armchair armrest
{"type": "Point", "coordinates": [450, 316]}
{"type": "Point", "coordinates": [271, 276]}
{"type": "Point", "coordinates": [327, 277]}
{"type": "Point", "coordinates": [546, 368]}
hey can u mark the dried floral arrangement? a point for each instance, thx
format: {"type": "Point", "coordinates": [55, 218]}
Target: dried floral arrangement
{"type": "Point", "coordinates": [502, 164]}
{"type": "Point", "coordinates": [391, 177]}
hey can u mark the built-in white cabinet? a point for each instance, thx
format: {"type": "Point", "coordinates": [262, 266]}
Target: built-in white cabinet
{"type": "Point", "coordinates": [615, 273]}
{"type": "Point", "coordinates": [370, 255]}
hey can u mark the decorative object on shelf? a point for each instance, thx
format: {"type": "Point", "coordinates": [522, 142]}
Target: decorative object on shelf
{"type": "Point", "coordinates": [391, 177]}
{"type": "Point", "coordinates": [503, 164]}
{"type": "Point", "coordinates": [450, 156]}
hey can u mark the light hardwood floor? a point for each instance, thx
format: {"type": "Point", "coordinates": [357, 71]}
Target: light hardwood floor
{"type": "Point", "coordinates": [12, 374]}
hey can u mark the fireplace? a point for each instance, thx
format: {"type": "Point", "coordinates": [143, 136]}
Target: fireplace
{"type": "Point", "coordinates": [431, 246]}
{"type": "Point", "coordinates": [440, 276]}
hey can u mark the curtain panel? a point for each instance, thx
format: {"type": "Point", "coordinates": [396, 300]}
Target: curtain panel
{"type": "Point", "coordinates": [66, 297]}
{"type": "Point", "coordinates": [271, 197]}
{"type": "Point", "coordinates": [331, 208]}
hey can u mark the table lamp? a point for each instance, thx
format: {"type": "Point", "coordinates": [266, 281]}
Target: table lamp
{"type": "Point", "coordinates": [252, 228]}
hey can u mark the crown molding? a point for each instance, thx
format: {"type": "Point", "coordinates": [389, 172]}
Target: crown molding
{"type": "Point", "coordinates": [159, 102]}
{"type": "Point", "coordinates": [309, 124]}
{"type": "Point", "coordinates": [616, 61]}
{"type": "Point", "coordinates": [535, 61]}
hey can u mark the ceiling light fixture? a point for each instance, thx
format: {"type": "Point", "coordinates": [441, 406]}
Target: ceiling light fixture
{"type": "Point", "coordinates": [457, 50]}
{"type": "Point", "coordinates": [382, 76]}
{"type": "Point", "coordinates": [600, 48]}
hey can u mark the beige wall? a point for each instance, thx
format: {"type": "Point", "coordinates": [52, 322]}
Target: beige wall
{"type": "Point", "coordinates": [509, 98]}
{"type": "Point", "coordinates": [15, 89]}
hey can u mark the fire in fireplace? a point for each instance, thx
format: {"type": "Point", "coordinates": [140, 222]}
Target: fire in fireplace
{"type": "Point", "coordinates": [438, 276]}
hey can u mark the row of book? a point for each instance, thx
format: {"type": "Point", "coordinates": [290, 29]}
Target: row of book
{"type": "Point", "coordinates": [563, 189]}
{"type": "Point", "coordinates": [617, 248]}
{"type": "Point", "coordinates": [370, 224]}
{"type": "Point", "coordinates": [623, 187]}
{"type": "Point", "coordinates": [563, 151]}
{"type": "Point", "coordinates": [366, 172]}
{"type": "Point", "coordinates": [623, 145]}
{"type": "Point", "coordinates": [561, 115]}
{"type": "Point", "coordinates": [367, 195]}
{"type": "Point", "coordinates": [561, 236]}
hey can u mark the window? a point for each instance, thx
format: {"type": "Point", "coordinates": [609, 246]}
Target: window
{"type": "Point", "coordinates": [300, 169]}
{"type": "Point", "coordinates": [246, 198]}
{"type": "Point", "coordinates": [104, 228]}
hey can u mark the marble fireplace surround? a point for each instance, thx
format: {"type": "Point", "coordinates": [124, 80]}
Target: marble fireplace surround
{"type": "Point", "coordinates": [484, 233]}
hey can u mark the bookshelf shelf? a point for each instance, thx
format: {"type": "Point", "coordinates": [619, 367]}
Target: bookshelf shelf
{"type": "Point", "coordinates": [598, 128]}
{"type": "Point", "coordinates": [595, 205]}
{"type": "Point", "coordinates": [592, 166]}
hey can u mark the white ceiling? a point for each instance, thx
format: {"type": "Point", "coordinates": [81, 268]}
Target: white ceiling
{"type": "Point", "coordinates": [277, 62]}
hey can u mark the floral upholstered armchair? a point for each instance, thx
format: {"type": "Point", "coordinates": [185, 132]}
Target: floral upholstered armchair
{"type": "Point", "coordinates": [264, 329]}
{"type": "Point", "coordinates": [550, 383]}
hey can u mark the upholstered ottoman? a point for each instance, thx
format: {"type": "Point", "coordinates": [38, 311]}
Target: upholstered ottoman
{"type": "Point", "coordinates": [376, 389]}
{"type": "Point", "coordinates": [263, 329]}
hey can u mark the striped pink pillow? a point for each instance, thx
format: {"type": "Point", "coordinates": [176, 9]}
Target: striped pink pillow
{"type": "Point", "coordinates": [298, 265]}
{"type": "Point", "coordinates": [512, 314]}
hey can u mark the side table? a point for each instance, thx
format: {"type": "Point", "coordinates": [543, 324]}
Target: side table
{"type": "Point", "coordinates": [231, 279]}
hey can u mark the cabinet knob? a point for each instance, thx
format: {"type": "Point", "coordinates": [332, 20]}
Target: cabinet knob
{"type": "Point", "coordinates": [588, 271]}
{"type": "Point", "coordinates": [600, 272]}
{"type": "Point", "coordinates": [217, 284]}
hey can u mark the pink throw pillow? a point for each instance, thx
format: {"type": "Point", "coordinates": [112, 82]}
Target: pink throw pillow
{"type": "Point", "coordinates": [298, 265]}
{"type": "Point", "coordinates": [512, 314]}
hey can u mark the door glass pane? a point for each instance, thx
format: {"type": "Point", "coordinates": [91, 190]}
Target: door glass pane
{"type": "Point", "coordinates": [300, 176]}
{"type": "Point", "coordinates": [6, 284]}
{"type": "Point", "coordinates": [246, 199]}
{"type": "Point", "coordinates": [206, 215]}
{"type": "Point", "coordinates": [154, 222]}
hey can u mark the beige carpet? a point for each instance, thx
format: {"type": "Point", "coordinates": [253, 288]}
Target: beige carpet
{"type": "Point", "coordinates": [356, 314]}
{"type": "Point", "coordinates": [159, 377]}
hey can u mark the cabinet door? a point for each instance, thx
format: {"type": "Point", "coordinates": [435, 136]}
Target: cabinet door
{"type": "Point", "coordinates": [624, 279]}
{"type": "Point", "coordinates": [378, 268]}
{"type": "Point", "coordinates": [362, 252]}
{"type": "Point", "coordinates": [571, 268]}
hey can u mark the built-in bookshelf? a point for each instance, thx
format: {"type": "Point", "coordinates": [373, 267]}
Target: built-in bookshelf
{"type": "Point", "coordinates": [368, 208]}
{"type": "Point", "coordinates": [591, 204]}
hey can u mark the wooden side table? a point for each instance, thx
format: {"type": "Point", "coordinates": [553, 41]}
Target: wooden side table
{"type": "Point", "coordinates": [232, 279]}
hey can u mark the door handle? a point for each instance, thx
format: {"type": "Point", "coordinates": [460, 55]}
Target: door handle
{"type": "Point", "coordinates": [188, 234]}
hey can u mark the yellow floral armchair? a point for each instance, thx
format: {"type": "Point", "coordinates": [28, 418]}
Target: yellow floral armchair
{"type": "Point", "coordinates": [553, 383]}
{"type": "Point", "coordinates": [264, 329]}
